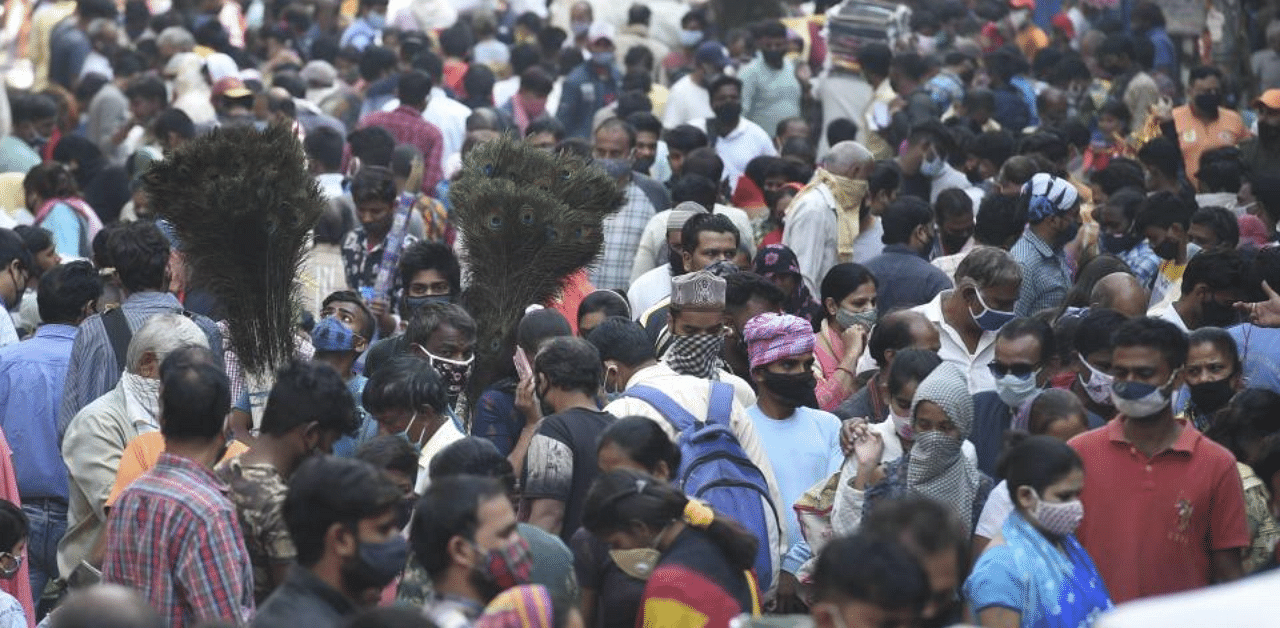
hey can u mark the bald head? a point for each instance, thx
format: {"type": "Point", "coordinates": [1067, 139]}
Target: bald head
{"type": "Point", "coordinates": [105, 606]}
{"type": "Point", "coordinates": [1121, 292]}
{"type": "Point", "coordinates": [848, 159]}
{"type": "Point", "coordinates": [902, 329]}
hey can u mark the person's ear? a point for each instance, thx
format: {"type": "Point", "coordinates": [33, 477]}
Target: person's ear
{"type": "Point", "coordinates": [1026, 497]}
{"type": "Point", "coordinates": [831, 306]}
{"type": "Point", "coordinates": [461, 552]}
{"type": "Point", "coordinates": [341, 538]}
{"type": "Point", "coordinates": [360, 343]}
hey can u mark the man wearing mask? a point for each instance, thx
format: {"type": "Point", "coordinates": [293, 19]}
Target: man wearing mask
{"type": "Point", "coordinates": [590, 86]}
{"type": "Point", "coordinates": [1053, 211]}
{"type": "Point", "coordinates": [834, 197]}
{"type": "Point", "coordinates": [697, 326]}
{"type": "Point", "coordinates": [1092, 364]}
{"type": "Point", "coordinates": [35, 117]}
{"type": "Point", "coordinates": [771, 92]}
{"type": "Point", "coordinates": [925, 170]}
{"type": "Point", "coordinates": [689, 100]}
{"type": "Point", "coordinates": [1194, 537]}
{"type": "Point", "coordinates": [445, 334]}
{"type": "Point", "coordinates": [1023, 347]}
{"type": "Point", "coordinates": [430, 273]}
{"type": "Point", "coordinates": [1164, 219]}
{"type": "Point", "coordinates": [904, 276]}
{"type": "Point", "coordinates": [1262, 153]}
{"type": "Point", "coordinates": [366, 30]}
{"type": "Point", "coordinates": [341, 517]}
{"type": "Point", "coordinates": [1119, 234]}
{"type": "Point", "coordinates": [1203, 123]}
{"type": "Point", "coordinates": [340, 338]}
{"type": "Point", "coordinates": [407, 399]}
{"type": "Point", "coordinates": [613, 145]}
{"type": "Point", "coordinates": [802, 442]}
{"type": "Point", "coordinates": [1212, 283]}
{"type": "Point", "coordinates": [464, 534]}
{"type": "Point", "coordinates": [308, 409]}
{"type": "Point", "coordinates": [737, 140]}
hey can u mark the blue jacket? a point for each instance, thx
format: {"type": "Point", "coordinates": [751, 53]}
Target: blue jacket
{"type": "Point", "coordinates": [584, 94]}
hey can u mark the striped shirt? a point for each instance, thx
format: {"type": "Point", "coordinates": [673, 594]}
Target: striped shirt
{"type": "Point", "coordinates": [173, 536]}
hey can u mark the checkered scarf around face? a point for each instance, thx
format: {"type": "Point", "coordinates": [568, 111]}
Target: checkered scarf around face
{"type": "Point", "coordinates": [697, 355]}
{"type": "Point", "coordinates": [1050, 196]}
{"type": "Point", "coordinates": [936, 468]}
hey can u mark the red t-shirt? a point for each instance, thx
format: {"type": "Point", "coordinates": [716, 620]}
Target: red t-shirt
{"type": "Point", "coordinates": [1151, 524]}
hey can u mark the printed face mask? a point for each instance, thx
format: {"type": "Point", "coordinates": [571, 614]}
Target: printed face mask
{"type": "Point", "coordinates": [1098, 386]}
{"type": "Point", "coordinates": [1058, 519]}
{"type": "Point", "coordinates": [847, 319]}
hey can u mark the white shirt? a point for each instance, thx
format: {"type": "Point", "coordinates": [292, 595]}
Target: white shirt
{"type": "Point", "coordinates": [331, 185]}
{"type": "Point", "coordinates": [810, 231]}
{"type": "Point", "coordinates": [652, 250]}
{"type": "Point", "coordinates": [649, 290]}
{"type": "Point", "coordinates": [505, 90]}
{"type": "Point", "coordinates": [744, 143]}
{"type": "Point", "coordinates": [97, 64]}
{"type": "Point", "coordinates": [995, 512]}
{"type": "Point", "coordinates": [843, 96]}
{"type": "Point", "coordinates": [1168, 313]}
{"type": "Point", "coordinates": [953, 349]}
{"type": "Point", "coordinates": [1248, 603]}
{"type": "Point", "coordinates": [8, 332]}
{"type": "Point", "coordinates": [687, 102]}
{"type": "Point", "coordinates": [446, 435]}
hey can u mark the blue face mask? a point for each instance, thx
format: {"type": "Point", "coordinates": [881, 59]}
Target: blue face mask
{"type": "Point", "coordinates": [331, 335]}
{"type": "Point", "coordinates": [377, 21]}
{"type": "Point", "coordinates": [989, 319]}
{"type": "Point", "coordinates": [602, 58]}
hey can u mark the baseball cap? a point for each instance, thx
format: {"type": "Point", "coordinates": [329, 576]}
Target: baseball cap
{"type": "Point", "coordinates": [600, 30]}
{"type": "Point", "coordinates": [1269, 98]}
{"type": "Point", "coordinates": [711, 52]}
{"type": "Point", "coordinates": [231, 87]}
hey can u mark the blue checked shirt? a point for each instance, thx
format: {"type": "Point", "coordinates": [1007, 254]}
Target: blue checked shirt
{"type": "Point", "coordinates": [1143, 261]}
{"type": "Point", "coordinates": [622, 232]}
{"type": "Point", "coordinates": [1045, 274]}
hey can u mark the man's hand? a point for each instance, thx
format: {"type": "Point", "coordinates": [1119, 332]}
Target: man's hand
{"type": "Point", "coordinates": [527, 403]}
{"type": "Point", "coordinates": [787, 599]}
{"type": "Point", "coordinates": [1263, 313]}
{"type": "Point", "coordinates": [382, 312]}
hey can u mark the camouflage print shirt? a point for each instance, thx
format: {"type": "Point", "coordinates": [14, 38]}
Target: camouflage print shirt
{"type": "Point", "coordinates": [258, 492]}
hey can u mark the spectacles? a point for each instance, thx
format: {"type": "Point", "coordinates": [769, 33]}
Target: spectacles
{"type": "Point", "coordinates": [1020, 371]}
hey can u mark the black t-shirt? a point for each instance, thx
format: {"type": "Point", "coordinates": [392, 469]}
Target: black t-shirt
{"type": "Point", "coordinates": [561, 463]}
{"type": "Point", "coordinates": [617, 594]}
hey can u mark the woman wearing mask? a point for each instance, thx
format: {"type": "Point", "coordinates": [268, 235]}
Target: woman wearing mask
{"type": "Point", "coordinates": [55, 201]}
{"type": "Point", "coordinates": [1213, 375]}
{"type": "Point", "coordinates": [1241, 427]}
{"type": "Point", "coordinates": [779, 264]}
{"type": "Point", "coordinates": [849, 312]}
{"type": "Point", "coordinates": [613, 582]}
{"type": "Point", "coordinates": [1035, 573]}
{"type": "Point", "coordinates": [703, 560]}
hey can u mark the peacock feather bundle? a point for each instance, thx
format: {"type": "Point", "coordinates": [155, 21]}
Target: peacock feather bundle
{"type": "Point", "coordinates": [243, 204]}
{"type": "Point", "coordinates": [528, 219]}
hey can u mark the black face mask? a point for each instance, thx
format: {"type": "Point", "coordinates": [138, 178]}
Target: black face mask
{"type": "Point", "coordinates": [676, 260]}
{"type": "Point", "coordinates": [1214, 314]}
{"type": "Point", "coordinates": [1210, 397]}
{"type": "Point", "coordinates": [728, 113]}
{"type": "Point", "coordinates": [411, 304]}
{"type": "Point", "coordinates": [1117, 244]}
{"type": "Point", "coordinates": [642, 165]}
{"type": "Point", "coordinates": [1208, 103]}
{"type": "Point", "coordinates": [773, 57]}
{"type": "Point", "coordinates": [953, 243]}
{"type": "Point", "coordinates": [792, 390]}
{"type": "Point", "coordinates": [1268, 134]}
{"type": "Point", "coordinates": [1167, 250]}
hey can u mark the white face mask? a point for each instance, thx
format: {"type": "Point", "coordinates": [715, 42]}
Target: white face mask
{"type": "Point", "coordinates": [1138, 400]}
{"type": "Point", "coordinates": [902, 424]}
{"type": "Point", "coordinates": [1015, 391]}
{"type": "Point", "coordinates": [1098, 385]}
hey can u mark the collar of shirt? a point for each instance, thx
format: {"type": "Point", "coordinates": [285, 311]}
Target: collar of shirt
{"type": "Point", "coordinates": [933, 311]}
{"type": "Point", "coordinates": [1185, 443]}
{"type": "Point", "coordinates": [902, 249]}
{"type": "Point", "coordinates": [55, 330]}
{"type": "Point", "coordinates": [1040, 246]}
{"type": "Point", "coordinates": [151, 298]}
{"type": "Point", "coordinates": [648, 373]}
{"type": "Point", "coordinates": [303, 581]}
{"type": "Point", "coordinates": [190, 467]}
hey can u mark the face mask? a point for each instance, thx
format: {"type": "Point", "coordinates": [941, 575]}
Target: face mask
{"type": "Point", "coordinates": [615, 168]}
{"type": "Point", "coordinates": [1058, 519]}
{"type": "Point", "coordinates": [697, 355]}
{"type": "Point", "coordinates": [846, 319]}
{"type": "Point", "coordinates": [453, 372]}
{"type": "Point", "coordinates": [1098, 387]}
{"type": "Point", "coordinates": [376, 564]}
{"type": "Point", "coordinates": [1210, 397]}
{"type": "Point", "coordinates": [902, 425]}
{"type": "Point", "coordinates": [1167, 250]}
{"type": "Point", "coordinates": [728, 113]}
{"type": "Point", "coordinates": [954, 242]}
{"type": "Point", "coordinates": [580, 28]}
{"type": "Point", "coordinates": [793, 390]}
{"type": "Point", "coordinates": [1139, 400]}
{"type": "Point", "coordinates": [331, 335]}
{"type": "Point", "coordinates": [405, 434]}
{"type": "Point", "coordinates": [642, 165]}
{"type": "Point", "coordinates": [689, 39]}
{"type": "Point", "coordinates": [1073, 227]}
{"type": "Point", "coordinates": [773, 57]}
{"type": "Point", "coordinates": [932, 167]}
{"type": "Point", "coordinates": [1015, 391]}
{"type": "Point", "coordinates": [9, 565]}
{"type": "Point", "coordinates": [1208, 103]}
{"type": "Point", "coordinates": [1214, 314]}
{"type": "Point", "coordinates": [411, 304]}
{"type": "Point", "coordinates": [377, 21]}
{"type": "Point", "coordinates": [989, 319]}
{"type": "Point", "coordinates": [506, 567]}
{"type": "Point", "coordinates": [602, 58]}
{"type": "Point", "coordinates": [1268, 133]}
{"type": "Point", "coordinates": [638, 563]}
{"type": "Point", "coordinates": [404, 511]}
{"type": "Point", "coordinates": [1118, 244]}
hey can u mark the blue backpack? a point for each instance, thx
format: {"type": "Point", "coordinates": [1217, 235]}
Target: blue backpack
{"type": "Point", "coordinates": [715, 469]}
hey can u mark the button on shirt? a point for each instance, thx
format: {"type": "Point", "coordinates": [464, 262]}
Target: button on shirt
{"type": "Point", "coordinates": [173, 537]}
{"type": "Point", "coordinates": [953, 349]}
{"type": "Point", "coordinates": [32, 377]}
{"type": "Point", "coordinates": [1151, 524]}
{"type": "Point", "coordinates": [1045, 274]}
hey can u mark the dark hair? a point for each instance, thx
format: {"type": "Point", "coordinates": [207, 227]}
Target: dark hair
{"type": "Point", "coordinates": [449, 508]}
{"type": "Point", "coordinates": [478, 84]}
{"type": "Point", "coordinates": [771, 28]}
{"type": "Point", "coordinates": [1161, 153]}
{"type": "Point", "coordinates": [697, 224]}
{"type": "Point", "coordinates": [175, 121]}
{"type": "Point", "coordinates": [525, 57]}
{"type": "Point", "coordinates": [635, 99]}
{"type": "Point", "coordinates": [373, 145]}
{"type": "Point", "coordinates": [994, 146]}
{"type": "Point", "coordinates": [390, 452]}
{"type": "Point", "coordinates": [1222, 341]}
{"type": "Point", "coordinates": [65, 289]}
{"type": "Point", "coordinates": [1163, 210]}
{"type": "Point", "coordinates": [432, 316]}
{"type": "Point", "coordinates": [426, 255]}
{"type": "Point", "coordinates": [622, 339]}
{"type": "Point", "coordinates": [1128, 200]}
{"type": "Point", "coordinates": [431, 63]}
{"type": "Point", "coordinates": [146, 87]}
{"type": "Point", "coordinates": [536, 80]}
{"type": "Point", "coordinates": [1053, 405]}
{"type": "Point", "coordinates": [840, 130]}
{"type": "Point", "coordinates": [1220, 170]}
{"type": "Point", "coordinates": [14, 526]}
{"type": "Point", "coordinates": [1043, 333]}
{"type": "Point", "coordinates": [291, 82]}
{"type": "Point", "coordinates": [1266, 189]}
{"type": "Point", "coordinates": [606, 301]}
{"type": "Point", "coordinates": [1219, 269]}
{"type": "Point", "coordinates": [643, 441]}
{"type": "Point", "coordinates": [1251, 416]}
{"type": "Point", "coordinates": [473, 455]}
{"type": "Point", "coordinates": [546, 124]}
{"type": "Point", "coordinates": [1094, 333]}
{"type": "Point", "coordinates": [843, 279]}
{"type": "Point", "coordinates": [645, 122]}
{"type": "Point", "coordinates": [328, 490]}
{"type": "Point", "coordinates": [875, 58]}
{"type": "Point", "coordinates": [1203, 72]}
{"type": "Point", "coordinates": [195, 395]}
{"type": "Point", "coordinates": [306, 392]}
{"type": "Point", "coordinates": [638, 14]}
{"type": "Point", "coordinates": [1120, 173]}
{"type": "Point", "coordinates": [539, 326]}
{"type": "Point", "coordinates": [36, 239]}
{"type": "Point", "coordinates": [870, 570]}
{"type": "Point", "coordinates": [414, 87]}
{"type": "Point", "coordinates": [924, 526]}
{"type": "Point", "coordinates": [742, 287]}
{"type": "Point", "coordinates": [1153, 333]}
{"type": "Point", "coordinates": [951, 203]}
{"type": "Point", "coordinates": [140, 254]}
{"type": "Point", "coordinates": [456, 40]}
{"type": "Point", "coordinates": [891, 332]}
{"type": "Point", "coordinates": [376, 61]}
{"type": "Point", "coordinates": [696, 188]}
{"type": "Point", "coordinates": [1117, 109]}
{"type": "Point", "coordinates": [1222, 222]}
{"type": "Point", "coordinates": [910, 64]}
{"type": "Point", "coordinates": [1000, 220]}
{"type": "Point", "coordinates": [722, 81]}
{"type": "Point", "coordinates": [1081, 293]}
{"type": "Point", "coordinates": [1119, 44]}
{"type": "Point", "coordinates": [685, 138]}
{"type": "Point", "coordinates": [50, 180]}
{"type": "Point", "coordinates": [407, 382]}
{"type": "Point", "coordinates": [884, 176]}
{"type": "Point", "coordinates": [982, 99]}
{"type": "Point", "coordinates": [622, 498]}
{"type": "Point", "coordinates": [373, 183]}
{"type": "Point", "coordinates": [902, 216]}
{"type": "Point", "coordinates": [911, 365]}
{"type": "Point", "coordinates": [325, 145]}
{"type": "Point", "coordinates": [704, 161]}
{"type": "Point", "coordinates": [569, 363]}
{"type": "Point", "coordinates": [347, 296]}
{"type": "Point", "coordinates": [1038, 462]}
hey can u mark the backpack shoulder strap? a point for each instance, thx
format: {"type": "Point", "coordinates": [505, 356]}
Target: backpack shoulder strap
{"type": "Point", "coordinates": [720, 408]}
{"type": "Point", "coordinates": [674, 413]}
{"type": "Point", "coordinates": [118, 333]}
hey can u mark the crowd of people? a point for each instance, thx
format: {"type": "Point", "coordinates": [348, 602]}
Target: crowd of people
{"type": "Point", "coordinates": [964, 319]}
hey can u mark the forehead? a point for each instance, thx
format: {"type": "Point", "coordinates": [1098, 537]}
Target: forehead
{"type": "Point", "coordinates": [1205, 352]}
{"type": "Point", "coordinates": [428, 276]}
{"type": "Point", "coordinates": [1136, 356]}
{"type": "Point", "coordinates": [1026, 347]}
{"type": "Point", "coordinates": [446, 333]}
{"type": "Point", "coordinates": [716, 239]}
{"type": "Point", "coordinates": [1206, 83]}
{"type": "Point", "coordinates": [725, 90]}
